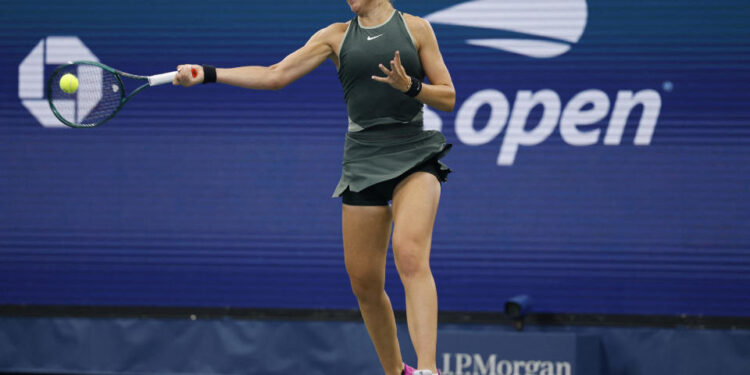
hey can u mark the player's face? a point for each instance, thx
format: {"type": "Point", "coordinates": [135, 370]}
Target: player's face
{"type": "Point", "coordinates": [359, 5]}
{"type": "Point", "coordinates": [354, 4]}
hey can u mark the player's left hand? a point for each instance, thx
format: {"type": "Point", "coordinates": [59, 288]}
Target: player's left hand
{"type": "Point", "coordinates": [396, 76]}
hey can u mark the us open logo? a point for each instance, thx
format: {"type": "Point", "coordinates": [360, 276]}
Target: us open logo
{"type": "Point", "coordinates": [540, 29]}
{"type": "Point", "coordinates": [53, 50]}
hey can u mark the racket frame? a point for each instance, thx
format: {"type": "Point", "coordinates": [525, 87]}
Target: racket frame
{"type": "Point", "coordinates": [118, 74]}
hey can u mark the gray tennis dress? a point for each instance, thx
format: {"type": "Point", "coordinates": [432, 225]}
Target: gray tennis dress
{"type": "Point", "coordinates": [385, 137]}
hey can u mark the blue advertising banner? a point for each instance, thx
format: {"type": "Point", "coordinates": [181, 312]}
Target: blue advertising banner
{"type": "Point", "coordinates": [490, 352]}
{"type": "Point", "coordinates": [227, 346]}
{"type": "Point", "coordinates": [601, 159]}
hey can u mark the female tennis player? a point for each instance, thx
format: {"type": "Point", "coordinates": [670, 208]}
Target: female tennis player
{"type": "Point", "coordinates": [382, 56]}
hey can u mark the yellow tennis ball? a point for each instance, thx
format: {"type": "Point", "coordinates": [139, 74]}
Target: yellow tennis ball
{"type": "Point", "coordinates": [69, 83]}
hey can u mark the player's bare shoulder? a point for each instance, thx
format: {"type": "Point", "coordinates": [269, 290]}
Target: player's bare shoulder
{"type": "Point", "coordinates": [339, 27]}
{"type": "Point", "coordinates": [332, 34]}
{"type": "Point", "coordinates": [419, 27]}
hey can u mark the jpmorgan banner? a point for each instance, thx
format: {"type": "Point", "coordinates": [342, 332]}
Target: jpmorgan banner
{"type": "Point", "coordinates": [601, 160]}
{"type": "Point", "coordinates": [467, 352]}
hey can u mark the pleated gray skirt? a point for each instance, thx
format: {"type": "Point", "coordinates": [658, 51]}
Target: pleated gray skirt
{"type": "Point", "coordinates": [384, 152]}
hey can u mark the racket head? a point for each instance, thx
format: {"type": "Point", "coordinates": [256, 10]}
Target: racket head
{"type": "Point", "coordinates": [99, 96]}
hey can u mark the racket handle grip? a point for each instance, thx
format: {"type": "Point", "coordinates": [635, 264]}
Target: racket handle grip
{"type": "Point", "coordinates": [161, 79]}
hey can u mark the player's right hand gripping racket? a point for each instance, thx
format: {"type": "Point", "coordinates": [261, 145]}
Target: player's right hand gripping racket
{"type": "Point", "coordinates": [100, 94]}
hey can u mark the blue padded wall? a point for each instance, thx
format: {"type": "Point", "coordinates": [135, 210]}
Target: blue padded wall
{"type": "Point", "coordinates": [623, 190]}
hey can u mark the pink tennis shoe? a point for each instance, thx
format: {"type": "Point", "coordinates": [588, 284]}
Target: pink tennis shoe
{"type": "Point", "coordinates": [408, 370]}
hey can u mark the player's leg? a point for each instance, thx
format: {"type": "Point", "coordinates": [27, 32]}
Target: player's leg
{"type": "Point", "coordinates": [415, 203]}
{"type": "Point", "coordinates": [366, 231]}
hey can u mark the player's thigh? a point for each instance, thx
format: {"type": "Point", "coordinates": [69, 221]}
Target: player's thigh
{"type": "Point", "coordinates": [366, 232]}
{"type": "Point", "coordinates": [415, 204]}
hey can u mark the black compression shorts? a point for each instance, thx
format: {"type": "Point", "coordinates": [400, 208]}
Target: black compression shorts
{"type": "Point", "coordinates": [382, 192]}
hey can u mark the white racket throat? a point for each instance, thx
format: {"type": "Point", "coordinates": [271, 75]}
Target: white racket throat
{"type": "Point", "coordinates": [161, 79]}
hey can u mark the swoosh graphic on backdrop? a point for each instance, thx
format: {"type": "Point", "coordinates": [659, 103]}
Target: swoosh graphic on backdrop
{"type": "Point", "coordinates": [561, 22]}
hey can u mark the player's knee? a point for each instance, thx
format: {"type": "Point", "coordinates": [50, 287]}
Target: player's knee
{"type": "Point", "coordinates": [366, 288]}
{"type": "Point", "coordinates": [410, 257]}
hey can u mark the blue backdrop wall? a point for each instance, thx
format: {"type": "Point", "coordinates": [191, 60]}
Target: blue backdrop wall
{"type": "Point", "coordinates": [601, 159]}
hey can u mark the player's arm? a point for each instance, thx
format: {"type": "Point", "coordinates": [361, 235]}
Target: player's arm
{"type": "Point", "coordinates": [440, 93]}
{"type": "Point", "coordinates": [274, 77]}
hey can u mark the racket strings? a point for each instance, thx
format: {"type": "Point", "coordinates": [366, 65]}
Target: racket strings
{"type": "Point", "coordinates": [97, 98]}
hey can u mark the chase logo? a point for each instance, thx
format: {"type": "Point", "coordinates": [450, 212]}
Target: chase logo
{"type": "Point", "coordinates": [545, 28]}
{"type": "Point", "coordinates": [53, 50]}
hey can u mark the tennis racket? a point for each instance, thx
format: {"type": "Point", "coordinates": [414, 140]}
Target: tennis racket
{"type": "Point", "coordinates": [100, 94]}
